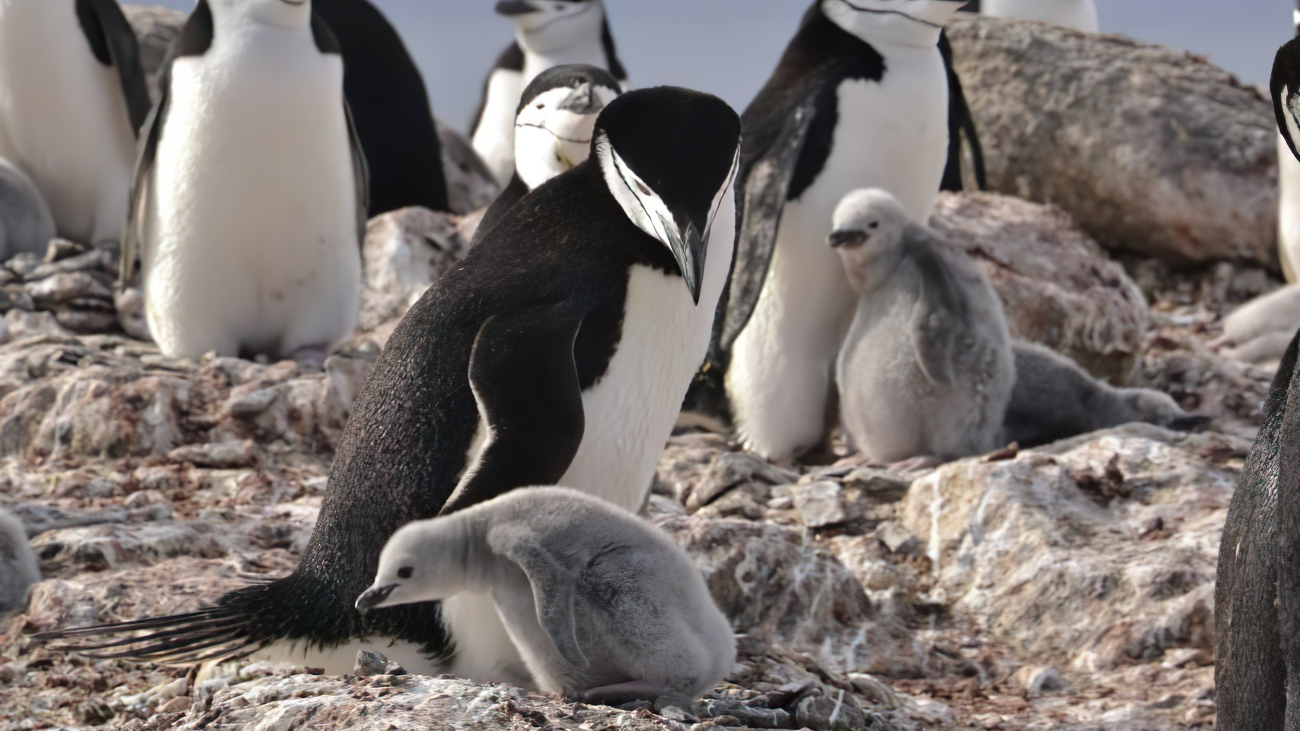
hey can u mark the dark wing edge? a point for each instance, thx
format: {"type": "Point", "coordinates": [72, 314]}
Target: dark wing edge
{"type": "Point", "coordinates": [1284, 84]}
{"type": "Point", "coordinates": [512, 58]}
{"type": "Point", "coordinates": [553, 592]}
{"type": "Point", "coordinates": [360, 176]}
{"type": "Point", "coordinates": [533, 407]}
{"type": "Point", "coordinates": [962, 134]}
{"type": "Point", "coordinates": [941, 314]}
{"type": "Point", "coordinates": [132, 248]}
{"type": "Point", "coordinates": [118, 37]}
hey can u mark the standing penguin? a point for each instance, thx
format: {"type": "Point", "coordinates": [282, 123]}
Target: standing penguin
{"type": "Point", "coordinates": [1076, 14]}
{"type": "Point", "coordinates": [72, 98]}
{"type": "Point", "coordinates": [390, 108]}
{"type": "Point", "coordinates": [860, 99]}
{"type": "Point", "coordinates": [553, 128]}
{"type": "Point", "coordinates": [557, 352]}
{"type": "Point", "coordinates": [1288, 178]}
{"type": "Point", "coordinates": [250, 196]}
{"type": "Point", "coordinates": [548, 33]}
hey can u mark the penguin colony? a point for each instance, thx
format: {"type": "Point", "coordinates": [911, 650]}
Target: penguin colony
{"type": "Point", "coordinates": [640, 234]}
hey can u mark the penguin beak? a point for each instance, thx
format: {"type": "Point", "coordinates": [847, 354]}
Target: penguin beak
{"type": "Point", "coordinates": [511, 8]}
{"type": "Point", "coordinates": [582, 101]}
{"type": "Point", "coordinates": [374, 597]}
{"type": "Point", "coordinates": [686, 241]}
{"type": "Point", "coordinates": [849, 238]}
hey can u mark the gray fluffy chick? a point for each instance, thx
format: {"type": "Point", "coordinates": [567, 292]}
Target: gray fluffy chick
{"type": "Point", "coordinates": [18, 567]}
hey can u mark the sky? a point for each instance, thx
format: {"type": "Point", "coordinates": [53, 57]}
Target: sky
{"type": "Point", "coordinates": [729, 47]}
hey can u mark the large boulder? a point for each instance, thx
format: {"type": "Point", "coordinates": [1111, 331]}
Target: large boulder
{"type": "Point", "coordinates": [1058, 286]}
{"type": "Point", "coordinates": [1152, 150]}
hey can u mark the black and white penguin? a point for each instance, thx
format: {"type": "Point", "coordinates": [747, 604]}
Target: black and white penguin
{"type": "Point", "coordinates": [860, 99]}
{"type": "Point", "coordinates": [72, 98]}
{"type": "Point", "coordinates": [553, 129]}
{"type": "Point", "coordinates": [557, 352]}
{"type": "Point", "coordinates": [390, 108]}
{"type": "Point", "coordinates": [1076, 14]}
{"type": "Point", "coordinates": [548, 33]}
{"type": "Point", "coordinates": [1288, 178]}
{"type": "Point", "coordinates": [250, 197]}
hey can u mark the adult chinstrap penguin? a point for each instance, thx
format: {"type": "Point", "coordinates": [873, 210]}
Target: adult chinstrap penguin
{"type": "Point", "coordinates": [548, 33]}
{"type": "Point", "coordinates": [860, 99]}
{"type": "Point", "coordinates": [926, 370]}
{"type": "Point", "coordinates": [557, 352]}
{"type": "Point", "coordinates": [72, 98]}
{"type": "Point", "coordinates": [390, 108]}
{"type": "Point", "coordinates": [602, 606]}
{"type": "Point", "coordinates": [1076, 14]}
{"type": "Point", "coordinates": [249, 202]}
{"type": "Point", "coordinates": [553, 129]}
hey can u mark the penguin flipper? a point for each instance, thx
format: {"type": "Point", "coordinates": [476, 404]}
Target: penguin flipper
{"type": "Point", "coordinates": [525, 380]}
{"type": "Point", "coordinates": [1285, 87]}
{"type": "Point", "coordinates": [113, 42]}
{"type": "Point", "coordinates": [940, 317]}
{"type": "Point", "coordinates": [360, 176]}
{"type": "Point", "coordinates": [552, 589]}
{"type": "Point", "coordinates": [141, 188]}
{"type": "Point", "coordinates": [962, 135]}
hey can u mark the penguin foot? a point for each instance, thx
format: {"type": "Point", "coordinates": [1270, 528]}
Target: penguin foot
{"type": "Point", "coordinates": [312, 356]}
{"type": "Point", "coordinates": [619, 693]}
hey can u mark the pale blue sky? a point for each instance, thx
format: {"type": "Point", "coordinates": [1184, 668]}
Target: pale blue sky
{"type": "Point", "coordinates": [729, 47]}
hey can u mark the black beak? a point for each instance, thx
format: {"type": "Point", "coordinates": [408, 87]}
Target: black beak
{"type": "Point", "coordinates": [374, 596]}
{"type": "Point", "coordinates": [848, 237]}
{"type": "Point", "coordinates": [510, 8]}
{"type": "Point", "coordinates": [583, 101]}
{"type": "Point", "coordinates": [686, 240]}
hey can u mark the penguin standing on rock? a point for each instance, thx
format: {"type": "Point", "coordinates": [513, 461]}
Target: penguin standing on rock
{"type": "Point", "coordinates": [249, 203]}
{"type": "Point", "coordinates": [557, 352]}
{"type": "Point", "coordinates": [860, 99]}
{"type": "Point", "coordinates": [390, 108]}
{"type": "Point", "coordinates": [548, 33]}
{"type": "Point", "coordinates": [72, 98]}
{"type": "Point", "coordinates": [553, 128]}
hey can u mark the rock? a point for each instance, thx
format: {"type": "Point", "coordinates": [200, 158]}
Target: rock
{"type": "Point", "coordinates": [874, 690]}
{"type": "Point", "coordinates": [1059, 551]}
{"type": "Point", "coordinates": [1152, 150]}
{"type": "Point", "coordinates": [730, 469]}
{"type": "Point", "coordinates": [217, 454]}
{"type": "Point", "coordinates": [1058, 287]}
{"type": "Point", "coordinates": [1038, 679]}
{"type": "Point", "coordinates": [406, 251]}
{"type": "Point", "coordinates": [821, 713]}
{"type": "Point", "coordinates": [156, 27]}
{"type": "Point", "coordinates": [897, 538]}
{"type": "Point", "coordinates": [369, 664]}
{"type": "Point", "coordinates": [470, 185]}
{"type": "Point", "coordinates": [878, 485]}
{"type": "Point", "coordinates": [820, 504]}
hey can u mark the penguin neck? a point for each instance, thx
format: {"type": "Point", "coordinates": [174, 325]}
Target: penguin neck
{"type": "Point", "coordinates": [884, 32]}
{"type": "Point", "coordinates": [589, 51]}
{"type": "Point", "coordinates": [868, 272]}
{"type": "Point", "coordinates": [463, 552]}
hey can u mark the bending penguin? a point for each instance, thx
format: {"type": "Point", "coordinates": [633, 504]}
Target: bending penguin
{"type": "Point", "coordinates": [18, 567]}
{"type": "Point", "coordinates": [553, 128]}
{"type": "Point", "coordinates": [602, 606]}
{"type": "Point", "coordinates": [926, 369]}
{"type": "Point", "coordinates": [390, 108]}
{"type": "Point", "coordinates": [249, 203]}
{"type": "Point", "coordinates": [72, 98]}
{"type": "Point", "coordinates": [1076, 14]}
{"type": "Point", "coordinates": [860, 99]}
{"type": "Point", "coordinates": [557, 352]}
{"type": "Point", "coordinates": [548, 33]}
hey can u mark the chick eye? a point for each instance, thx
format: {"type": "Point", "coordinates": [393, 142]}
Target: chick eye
{"type": "Point", "coordinates": [405, 572]}
{"type": "Point", "coordinates": [873, 225]}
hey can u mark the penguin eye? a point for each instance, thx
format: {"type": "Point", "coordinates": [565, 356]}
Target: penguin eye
{"type": "Point", "coordinates": [873, 225]}
{"type": "Point", "coordinates": [541, 105]}
{"type": "Point", "coordinates": [405, 572]}
{"type": "Point", "coordinates": [645, 190]}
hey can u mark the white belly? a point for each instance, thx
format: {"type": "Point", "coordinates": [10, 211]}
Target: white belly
{"type": "Point", "coordinates": [251, 236]}
{"type": "Point", "coordinates": [494, 138]}
{"type": "Point", "coordinates": [630, 413]}
{"type": "Point", "coordinates": [342, 659]}
{"type": "Point", "coordinates": [1077, 14]}
{"type": "Point", "coordinates": [1288, 229]}
{"type": "Point", "coordinates": [892, 135]}
{"type": "Point", "coordinates": [63, 118]}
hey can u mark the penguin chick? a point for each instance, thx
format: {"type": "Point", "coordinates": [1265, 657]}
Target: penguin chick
{"type": "Point", "coordinates": [18, 568]}
{"type": "Point", "coordinates": [601, 605]}
{"type": "Point", "coordinates": [26, 223]}
{"type": "Point", "coordinates": [1056, 399]}
{"type": "Point", "coordinates": [926, 369]}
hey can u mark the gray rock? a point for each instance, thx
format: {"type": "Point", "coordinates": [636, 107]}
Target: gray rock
{"type": "Point", "coordinates": [730, 469]}
{"type": "Point", "coordinates": [897, 538]}
{"type": "Point", "coordinates": [1039, 679]}
{"type": "Point", "coordinates": [878, 485]}
{"type": "Point", "coordinates": [370, 664]}
{"type": "Point", "coordinates": [1152, 150]}
{"type": "Point", "coordinates": [217, 454]}
{"type": "Point", "coordinates": [405, 252]}
{"type": "Point", "coordinates": [470, 185]}
{"type": "Point", "coordinates": [822, 713]}
{"type": "Point", "coordinates": [819, 504]}
{"type": "Point", "coordinates": [1057, 286]}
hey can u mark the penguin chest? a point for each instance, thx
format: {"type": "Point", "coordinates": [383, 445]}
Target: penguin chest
{"type": "Point", "coordinates": [253, 212]}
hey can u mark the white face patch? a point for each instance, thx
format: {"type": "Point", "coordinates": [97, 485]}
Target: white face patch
{"type": "Point", "coordinates": [549, 139]}
{"type": "Point", "coordinates": [642, 205]}
{"type": "Point", "coordinates": [909, 22]}
{"type": "Point", "coordinates": [559, 24]}
{"type": "Point", "coordinates": [1291, 103]}
{"type": "Point", "coordinates": [286, 14]}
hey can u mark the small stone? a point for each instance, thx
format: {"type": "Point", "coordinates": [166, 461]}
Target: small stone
{"type": "Point", "coordinates": [730, 469]}
{"type": "Point", "coordinates": [217, 454]}
{"type": "Point", "coordinates": [251, 404]}
{"type": "Point", "coordinates": [674, 713]}
{"type": "Point", "coordinates": [874, 690]}
{"type": "Point", "coordinates": [24, 263]}
{"type": "Point", "coordinates": [878, 485]}
{"type": "Point", "coordinates": [822, 713]}
{"type": "Point", "coordinates": [370, 664]}
{"type": "Point", "coordinates": [393, 668]}
{"type": "Point", "coordinates": [95, 712]}
{"type": "Point", "coordinates": [819, 504]}
{"type": "Point", "coordinates": [61, 249]}
{"type": "Point", "coordinates": [1039, 679]}
{"type": "Point", "coordinates": [897, 538]}
{"type": "Point", "coordinates": [175, 705]}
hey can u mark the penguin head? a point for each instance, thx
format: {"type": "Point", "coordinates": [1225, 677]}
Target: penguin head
{"type": "Point", "coordinates": [907, 22]}
{"type": "Point", "coordinates": [669, 156]}
{"type": "Point", "coordinates": [556, 118]}
{"type": "Point", "coordinates": [543, 26]}
{"type": "Point", "coordinates": [867, 232]}
{"type": "Point", "coordinates": [286, 14]}
{"type": "Point", "coordinates": [1285, 87]}
{"type": "Point", "coordinates": [416, 565]}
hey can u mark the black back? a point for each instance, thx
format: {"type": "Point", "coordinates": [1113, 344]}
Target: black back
{"type": "Point", "coordinates": [390, 108]}
{"type": "Point", "coordinates": [1285, 87]}
{"type": "Point", "coordinates": [113, 42]}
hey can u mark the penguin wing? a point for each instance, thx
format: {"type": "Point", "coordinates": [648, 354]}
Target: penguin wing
{"type": "Point", "coordinates": [113, 42]}
{"type": "Point", "coordinates": [552, 589]}
{"type": "Point", "coordinates": [525, 380]}
{"type": "Point", "coordinates": [962, 135]}
{"type": "Point", "coordinates": [141, 183]}
{"type": "Point", "coordinates": [511, 59]}
{"type": "Point", "coordinates": [502, 205]}
{"type": "Point", "coordinates": [360, 176]}
{"type": "Point", "coordinates": [1285, 87]}
{"type": "Point", "coordinates": [939, 319]}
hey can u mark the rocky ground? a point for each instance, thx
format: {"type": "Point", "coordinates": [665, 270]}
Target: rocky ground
{"type": "Point", "coordinates": [1066, 587]}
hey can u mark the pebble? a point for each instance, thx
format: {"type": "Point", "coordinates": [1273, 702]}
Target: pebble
{"type": "Point", "coordinates": [1039, 679]}
{"type": "Point", "coordinates": [822, 713]}
{"type": "Point", "coordinates": [819, 504]}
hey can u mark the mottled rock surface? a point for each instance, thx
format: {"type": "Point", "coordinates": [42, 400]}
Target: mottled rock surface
{"type": "Point", "coordinates": [1059, 288]}
{"type": "Point", "coordinates": [156, 27]}
{"type": "Point", "coordinates": [1152, 150]}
